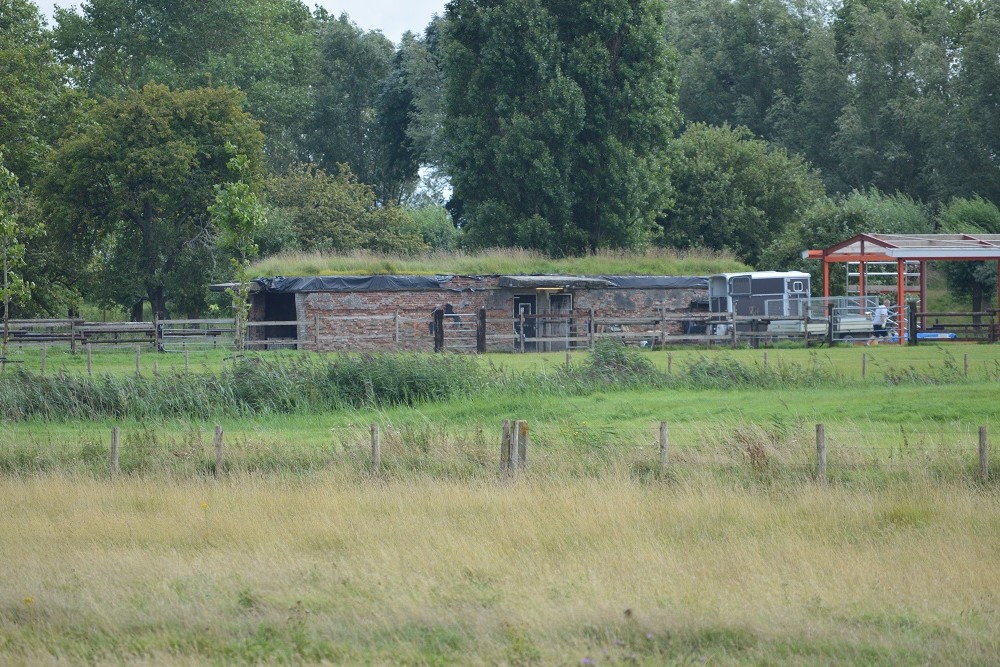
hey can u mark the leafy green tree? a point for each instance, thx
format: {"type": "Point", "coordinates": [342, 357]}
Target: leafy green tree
{"type": "Point", "coordinates": [352, 66]}
{"type": "Point", "coordinates": [974, 280]}
{"type": "Point", "coordinates": [558, 117]}
{"type": "Point", "coordinates": [14, 233]}
{"type": "Point", "coordinates": [410, 114]}
{"type": "Point", "coordinates": [266, 48]}
{"type": "Point", "coordinates": [978, 106]}
{"type": "Point", "coordinates": [739, 61]}
{"type": "Point", "coordinates": [807, 125]}
{"type": "Point", "coordinates": [37, 102]}
{"type": "Point", "coordinates": [337, 213]}
{"type": "Point", "coordinates": [238, 215]}
{"type": "Point", "coordinates": [734, 192]}
{"type": "Point", "coordinates": [831, 221]}
{"type": "Point", "coordinates": [130, 192]}
{"type": "Point", "coordinates": [434, 226]}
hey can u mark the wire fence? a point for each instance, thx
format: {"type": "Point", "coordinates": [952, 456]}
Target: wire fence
{"type": "Point", "coordinates": [763, 452]}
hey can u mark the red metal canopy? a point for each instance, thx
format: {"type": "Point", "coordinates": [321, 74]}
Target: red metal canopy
{"type": "Point", "coordinates": [900, 248]}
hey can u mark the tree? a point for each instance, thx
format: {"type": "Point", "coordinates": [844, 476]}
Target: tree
{"type": "Point", "coordinates": [831, 221]}
{"type": "Point", "coordinates": [410, 115]}
{"type": "Point", "coordinates": [37, 103]}
{"type": "Point", "coordinates": [130, 192]}
{"type": "Point", "coordinates": [739, 61]}
{"type": "Point", "coordinates": [977, 280]}
{"type": "Point", "coordinates": [734, 192]}
{"type": "Point", "coordinates": [265, 48]}
{"type": "Point", "coordinates": [338, 213]}
{"type": "Point", "coordinates": [558, 117]}
{"type": "Point", "coordinates": [14, 232]}
{"type": "Point", "coordinates": [238, 215]}
{"type": "Point", "coordinates": [352, 67]}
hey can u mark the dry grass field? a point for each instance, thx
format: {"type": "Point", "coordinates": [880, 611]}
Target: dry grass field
{"type": "Point", "coordinates": [541, 570]}
{"type": "Point", "coordinates": [594, 555]}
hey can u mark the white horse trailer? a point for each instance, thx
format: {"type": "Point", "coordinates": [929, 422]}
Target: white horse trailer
{"type": "Point", "coordinates": [764, 294]}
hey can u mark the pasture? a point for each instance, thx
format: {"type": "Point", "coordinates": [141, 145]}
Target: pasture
{"type": "Point", "coordinates": [733, 554]}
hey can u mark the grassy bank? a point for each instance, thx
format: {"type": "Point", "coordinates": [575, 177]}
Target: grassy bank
{"type": "Point", "coordinates": [542, 571]}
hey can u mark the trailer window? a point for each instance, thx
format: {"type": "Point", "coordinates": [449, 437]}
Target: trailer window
{"type": "Point", "coordinates": [797, 286]}
{"type": "Point", "coordinates": [740, 286]}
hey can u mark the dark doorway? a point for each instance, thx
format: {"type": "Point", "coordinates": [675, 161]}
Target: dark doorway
{"type": "Point", "coordinates": [560, 309]}
{"type": "Point", "coordinates": [525, 304]}
{"type": "Point", "coordinates": [280, 307]}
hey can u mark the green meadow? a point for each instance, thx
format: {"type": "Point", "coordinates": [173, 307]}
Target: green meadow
{"type": "Point", "coordinates": [297, 552]}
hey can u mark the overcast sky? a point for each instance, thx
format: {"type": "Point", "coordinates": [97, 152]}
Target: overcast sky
{"type": "Point", "coordinates": [392, 17]}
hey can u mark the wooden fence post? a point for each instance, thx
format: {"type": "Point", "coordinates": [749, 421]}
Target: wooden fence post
{"type": "Point", "coordinates": [523, 439]}
{"type": "Point", "coordinates": [438, 315]}
{"type": "Point", "coordinates": [984, 469]}
{"type": "Point", "coordinates": [72, 336]}
{"type": "Point", "coordinates": [138, 360]}
{"type": "Point", "coordinates": [670, 363]}
{"type": "Point", "coordinates": [187, 361]}
{"type": "Point", "coordinates": [765, 359]}
{"type": "Point", "coordinates": [966, 364]}
{"type": "Point", "coordinates": [115, 469]}
{"type": "Point", "coordinates": [864, 365]}
{"type": "Point", "coordinates": [90, 368]}
{"type": "Point", "coordinates": [664, 441]}
{"type": "Point", "coordinates": [45, 349]}
{"type": "Point", "coordinates": [820, 454]}
{"type": "Point", "coordinates": [505, 447]}
{"type": "Point", "coordinates": [911, 322]}
{"type": "Point", "coordinates": [481, 332]}
{"type": "Point", "coordinates": [219, 453]}
{"type": "Point", "coordinates": [376, 450]}
{"type": "Point", "coordinates": [591, 329]}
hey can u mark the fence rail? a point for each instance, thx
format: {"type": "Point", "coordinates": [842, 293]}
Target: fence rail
{"type": "Point", "coordinates": [475, 332]}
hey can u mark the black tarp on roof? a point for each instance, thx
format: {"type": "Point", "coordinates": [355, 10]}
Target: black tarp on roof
{"type": "Point", "coordinates": [662, 282]}
{"type": "Point", "coordinates": [566, 282]}
{"type": "Point", "coordinates": [352, 283]}
{"type": "Point", "coordinates": [441, 282]}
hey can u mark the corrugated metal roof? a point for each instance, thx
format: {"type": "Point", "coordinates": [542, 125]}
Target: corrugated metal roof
{"type": "Point", "coordinates": [916, 246]}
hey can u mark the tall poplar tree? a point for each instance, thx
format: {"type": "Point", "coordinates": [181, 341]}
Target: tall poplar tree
{"type": "Point", "coordinates": [558, 117]}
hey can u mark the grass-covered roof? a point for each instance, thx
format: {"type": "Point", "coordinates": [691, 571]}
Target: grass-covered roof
{"type": "Point", "coordinates": [513, 262]}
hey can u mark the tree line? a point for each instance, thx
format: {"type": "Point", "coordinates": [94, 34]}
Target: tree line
{"type": "Point", "coordinates": [149, 149]}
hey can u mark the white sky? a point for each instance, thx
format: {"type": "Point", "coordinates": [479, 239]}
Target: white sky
{"type": "Point", "coordinates": [392, 17]}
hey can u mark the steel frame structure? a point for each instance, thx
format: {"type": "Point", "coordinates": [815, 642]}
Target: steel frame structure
{"type": "Point", "coordinates": [901, 248]}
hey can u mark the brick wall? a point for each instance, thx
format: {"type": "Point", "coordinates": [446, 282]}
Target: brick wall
{"type": "Point", "coordinates": [401, 320]}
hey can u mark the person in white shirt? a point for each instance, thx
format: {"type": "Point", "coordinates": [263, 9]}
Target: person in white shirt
{"type": "Point", "coordinates": [880, 321]}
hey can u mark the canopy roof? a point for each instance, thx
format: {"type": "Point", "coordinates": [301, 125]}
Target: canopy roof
{"type": "Point", "coordinates": [892, 247]}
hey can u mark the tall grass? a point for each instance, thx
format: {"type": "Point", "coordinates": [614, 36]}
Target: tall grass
{"type": "Point", "coordinates": [507, 261]}
{"type": "Point", "coordinates": [312, 384]}
{"type": "Point", "coordinates": [255, 386]}
{"type": "Point", "coordinates": [549, 570]}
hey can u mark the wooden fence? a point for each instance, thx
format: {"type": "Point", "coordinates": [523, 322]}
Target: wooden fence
{"type": "Point", "coordinates": [515, 444]}
{"type": "Point", "coordinates": [476, 332]}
